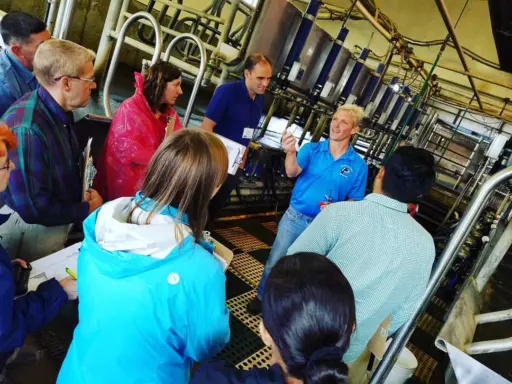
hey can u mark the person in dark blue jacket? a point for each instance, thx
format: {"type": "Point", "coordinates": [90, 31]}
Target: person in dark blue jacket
{"type": "Point", "coordinates": [26, 314]}
{"type": "Point", "coordinates": [308, 319]}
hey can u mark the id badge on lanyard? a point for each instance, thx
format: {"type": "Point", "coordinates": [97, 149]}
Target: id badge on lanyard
{"type": "Point", "coordinates": [248, 133]}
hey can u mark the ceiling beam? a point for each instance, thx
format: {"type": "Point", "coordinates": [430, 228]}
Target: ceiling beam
{"type": "Point", "coordinates": [451, 30]}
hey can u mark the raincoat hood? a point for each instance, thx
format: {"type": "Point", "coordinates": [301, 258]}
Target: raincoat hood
{"type": "Point", "coordinates": [119, 243]}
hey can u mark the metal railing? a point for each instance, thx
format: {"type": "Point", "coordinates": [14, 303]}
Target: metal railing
{"type": "Point", "coordinates": [115, 56]}
{"type": "Point", "coordinates": [62, 24]}
{"type": "Point", "coordinates": [447, 258]}
{"type": "Point", "coordinates": [202, 69]}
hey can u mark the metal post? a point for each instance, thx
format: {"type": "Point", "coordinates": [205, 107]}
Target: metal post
{"type": "Point", "coordinates": [103, 53]}
{"type": "Point", "coordinates": [495, 257]}
{"type": "Point", "coordinates": [307, 126]}
{"type": "Point", "coordinates": [320, 128]}
{"type": "Point", "coordinates": [451, 31]}
{"type": "Point", "coordinates": [500, 345]}
{"type": "Point", "coordinates": [229, 22]}
{"type": "Point", "coordinates": [447, 258]}
{"type": "Point", "coordinates": [117, 50]}
{"type": "Point", "coordinates": [293, 115]}
{"type": "Point", "coordinates": [271, 111]}
{"type": "Point", "coordinates": [200, 74]}
{"type": "Point", "coordinates": [60, 16]}
{"type": "Point", "coordinates": [122, 11]}
{"type": "Point", "coordinates": [52, 13]}
{"type": "Point", "coordinates": [66, 19]}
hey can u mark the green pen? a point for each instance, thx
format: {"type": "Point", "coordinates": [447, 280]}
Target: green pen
{"type": "Point", "coordinates": [71, 273]}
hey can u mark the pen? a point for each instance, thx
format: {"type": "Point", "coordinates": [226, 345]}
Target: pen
{"type": "Point", "coordinates": [71, 273]}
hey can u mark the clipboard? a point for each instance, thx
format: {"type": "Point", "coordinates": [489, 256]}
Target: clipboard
{"type": "Point", "coordinates": [236, 153]}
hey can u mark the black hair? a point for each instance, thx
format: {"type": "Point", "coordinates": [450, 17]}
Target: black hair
{"type": "Point", "coordinates": [408, 174]}
{"type": "Point", "coordinates": [156, 78]}
{"type": "Point", "coordinates": [254, 60]}
{"type": "Point", "coordinates": [308, 307]}
{"type": "Point", "coordinates": [20, 26]}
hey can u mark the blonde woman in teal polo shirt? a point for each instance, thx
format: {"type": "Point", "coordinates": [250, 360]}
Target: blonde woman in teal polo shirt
{"type": "Point", "coordinates": [327, 172]}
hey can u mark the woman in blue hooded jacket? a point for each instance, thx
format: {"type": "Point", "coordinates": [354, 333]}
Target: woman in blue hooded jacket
{"type": "Point", "coordinates": [152, 299]}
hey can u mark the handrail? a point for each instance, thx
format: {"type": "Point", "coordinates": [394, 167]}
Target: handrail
{"type": "Point", "coordinates": [447, 258]}
{"type": "Point", "coordinates": [202, 69]}
{"type": "Point", "coordinates": [117, 50]}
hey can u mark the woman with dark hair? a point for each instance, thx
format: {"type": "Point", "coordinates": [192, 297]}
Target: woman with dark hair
{"type": "Point", "coordinates": [138, 128]}
{"type": "Point", "coordinates": [308, 318]}
{"type": "Point", "coordinates": [152, 299]}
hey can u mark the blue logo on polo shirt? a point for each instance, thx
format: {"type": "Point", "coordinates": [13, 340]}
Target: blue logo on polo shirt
{"type": "Point", "coordinates": [345, 170]}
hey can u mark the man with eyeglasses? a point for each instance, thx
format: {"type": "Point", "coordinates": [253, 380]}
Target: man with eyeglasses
{"type": "Point", "coordinates": [22, 34]}
{"type": "Point", "coordinates": [44, 196]}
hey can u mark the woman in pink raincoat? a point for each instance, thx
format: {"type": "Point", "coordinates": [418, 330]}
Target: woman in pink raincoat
{"type": "Point", "coordinates": [138, 128]}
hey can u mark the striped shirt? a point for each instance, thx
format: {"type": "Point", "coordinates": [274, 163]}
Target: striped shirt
{"type": "Point", "coordinates": [45, 187]}
{"type": "Point", "coordinates": [383, 252]}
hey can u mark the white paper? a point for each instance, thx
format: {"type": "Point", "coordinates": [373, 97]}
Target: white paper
{"type": "Point", "coordinates": [468, 370]}
{"type": "Point", "coordinates": [88, 168]}
{"type": "Point", "coordinates": [248, 133]}
{"type": "Point", "coordinates": [54, 266]}
{"type": "Point", "coordinates": [235, 154]}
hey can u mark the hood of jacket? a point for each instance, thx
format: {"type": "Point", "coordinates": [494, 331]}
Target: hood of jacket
{"type": "Point", "coordinates": [122, 248]}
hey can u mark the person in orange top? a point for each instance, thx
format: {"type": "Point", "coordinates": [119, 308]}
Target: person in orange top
{"type": "Point", "coordinates": [138, 128]}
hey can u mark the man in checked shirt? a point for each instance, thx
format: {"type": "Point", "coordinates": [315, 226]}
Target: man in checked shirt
{"type": "Point", "coordinates": [44, 196]}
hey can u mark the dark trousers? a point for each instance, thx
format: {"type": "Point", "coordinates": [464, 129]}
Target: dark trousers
{"type": "Point", "coordinates": [221, 198]}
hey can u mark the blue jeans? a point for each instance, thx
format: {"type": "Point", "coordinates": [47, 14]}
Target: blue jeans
{"type": "Point", "coordinates": [291, 226]}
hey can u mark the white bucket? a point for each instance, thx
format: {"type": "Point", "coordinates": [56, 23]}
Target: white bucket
{"type": "Point", "coordinates": [404, 367]}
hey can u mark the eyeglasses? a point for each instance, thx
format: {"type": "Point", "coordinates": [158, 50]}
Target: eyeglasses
{"type": "Point", "coordinates": [7, 165]}
{"type": "Point", "coordinates": [89, 80]}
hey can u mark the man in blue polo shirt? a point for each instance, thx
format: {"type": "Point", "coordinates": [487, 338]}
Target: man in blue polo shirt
{"type": "Point", "coordinates": [234, 112]}
{"type": "Point", "coordinates": [328, 171]}
{"type": "Point", "coordinates": [22, 34]}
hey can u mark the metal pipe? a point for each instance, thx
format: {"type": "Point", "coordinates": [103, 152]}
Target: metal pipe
{"type": "Point", "coordinates": [491, 346]}
{"type": "Point", "coordinates": [494, 258]}
{"type": "Point", "coordinates": [66, 19]}
{"type": "Point", "coordinates": [447, 258]}
{"type": "Point", "coordinates": [168, 31]}
{"type": "Point", "coordinates": [199, 77]}
{"type": "Point", "coordinates": [193, 11]}
{"type": "Point", "coordinates": [229, 23]}
{"type": "Point", "coordinates": [106, 40]}
{"type": "Point", "coordinates": [320, 128]}
{"type": "Point", "coordinates": [309, 122]}
{"type": "Point", "coordinates": [117, 50]}
{"type": "Point", "coordinates": [52, 13]}
{"type": "Point", "coordinates": [493, 317]}
{"type": "Point", "coordinates": [151, 50]}
{"type": "Point", "coordinates": [293, 115]}
{"type": "Point", "coordinates": [449, 26]}
{"type": "Point", "coordinates": [120, 20]}
{"type": "Point", "coordinates": [501, 83]}
{"type": "Point", "coordinates": [58, 20]}
{"type": "Point", "coordinates": [271, 111]}
{"type": "Point", "coordinates": [368, 16]}
{"type": "Point", "coordinates": [467, 51]}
